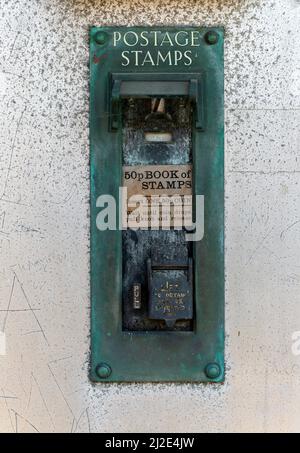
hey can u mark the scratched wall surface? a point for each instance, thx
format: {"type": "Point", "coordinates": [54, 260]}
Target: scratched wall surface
{"type": "Point", "coordinates": [44, 222]}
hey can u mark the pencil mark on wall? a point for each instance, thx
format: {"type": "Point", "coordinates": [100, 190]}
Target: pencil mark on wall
{"type": "Point", "coordinates": [31, 332]}
{"type": "Point", "coordinates": [31, 309]}
{"type": "Point", "coordinates": [43, 399]}
{"type": "Point", "coordinates": [84, 412]}
{"type": "Point", "coordinates": [9, 302]}
{"type": "Point", "coordinates": [73, 422]}
{"type": "Point", "coordinates": [20, 310]}
{"type": "Point", "coordinates": [259, 246]}
{"type": "Point", "coordinates": [30, 392]}
{"type": "Point", "coordinates": [17, 416]}
{"type": "Point", "coordinates": [61, 359]}
{"type": "Point", "coordinates": [2, 217]}
{"type": "Point", "coordinates": [283, 232]}
{"type": "Point", "coordinates": [9, 397]}
{"type": "Point", "coordinates": [11, 153]}
{"type": "Point", "coordinates": [8, 410]}
{"type": "Point", "coordinates": [61, 391]}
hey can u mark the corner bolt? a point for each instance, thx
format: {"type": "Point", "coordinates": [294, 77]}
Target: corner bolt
{"type": "Point", "coordinates": [103, 370]}
{"type": "Point", "coordinates": [211, 37]}
{"type": "Point", "coordinates": [212, 370]}
{"type": "Point", "coordinates": [100, 37]}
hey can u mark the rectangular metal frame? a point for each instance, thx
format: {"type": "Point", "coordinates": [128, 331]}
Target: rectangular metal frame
{"type": "Point", "coordinates": [157, 356]}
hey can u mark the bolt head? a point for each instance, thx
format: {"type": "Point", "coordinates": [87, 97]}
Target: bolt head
{"type": "Point", "coordinates": [100, 37]}
{"type": "Point", "coordinates": [103, 370]}
{"type": "Point", "coordinates": [211, 37]}
{"type": "Point", "coordinates": [212, 370]}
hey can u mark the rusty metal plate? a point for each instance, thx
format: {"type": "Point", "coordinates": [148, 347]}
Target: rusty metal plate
{"type": "Point", "coordinates": [140, 61]}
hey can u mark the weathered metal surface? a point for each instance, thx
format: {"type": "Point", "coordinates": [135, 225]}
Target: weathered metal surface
{"type": "Point", "coordinates": [169, 355]}
{"type": "Point", "coordinates": [170, 292]}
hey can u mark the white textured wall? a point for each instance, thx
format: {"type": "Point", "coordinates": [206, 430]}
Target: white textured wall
{"type": "Point", "coordinates": [44, 222]}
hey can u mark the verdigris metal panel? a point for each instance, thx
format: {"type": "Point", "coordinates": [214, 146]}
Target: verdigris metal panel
{"type": "Point", "coordinates": [196, 355]}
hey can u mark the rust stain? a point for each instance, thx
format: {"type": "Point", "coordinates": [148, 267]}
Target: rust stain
{"type": "Point", "coordinates": [96, 59]}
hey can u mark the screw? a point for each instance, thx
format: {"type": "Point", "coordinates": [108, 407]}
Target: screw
{"type": "Point", "coordinates": [103, 370]}
{"type": "Point", "coordinates": [100, 37]}
{"type": "Point", "coordinates": [211, 37]}
{"type": "Point", "coordinates": [212, 370]}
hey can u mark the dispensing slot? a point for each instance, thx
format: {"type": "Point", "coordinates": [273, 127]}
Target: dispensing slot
{"type": "Point", "coordinates": [170, 292]}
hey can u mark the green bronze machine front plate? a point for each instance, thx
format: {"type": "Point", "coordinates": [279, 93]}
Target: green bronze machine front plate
{"type": "Point", "coordinates": [170, 62]}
